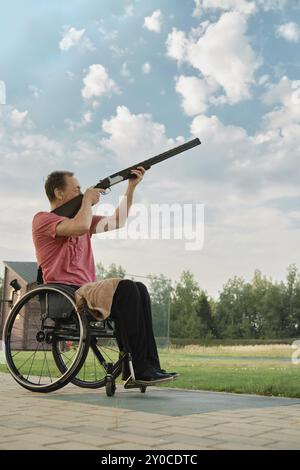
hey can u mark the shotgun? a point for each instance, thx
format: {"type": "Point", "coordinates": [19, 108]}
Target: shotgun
{"type": "Point", "coordinates": [70, 208]}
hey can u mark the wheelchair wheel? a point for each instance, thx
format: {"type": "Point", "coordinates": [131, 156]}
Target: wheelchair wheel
{"type": "Point", "coordinates": [101, 359]}
{"type": "Point", "coordinates": [42, 317]}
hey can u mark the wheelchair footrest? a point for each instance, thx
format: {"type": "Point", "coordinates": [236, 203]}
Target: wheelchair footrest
{"type": "Point", "coordinates": [131, 384]}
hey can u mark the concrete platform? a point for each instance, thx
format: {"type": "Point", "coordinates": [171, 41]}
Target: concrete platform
{"type": "Point", "coordinates": [162, 418]}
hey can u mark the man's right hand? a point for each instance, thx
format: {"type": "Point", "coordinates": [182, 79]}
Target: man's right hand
{"type": "Point", "coordinates": [92, 195]}
{"type": "Point", "coordinates": [81, 223]}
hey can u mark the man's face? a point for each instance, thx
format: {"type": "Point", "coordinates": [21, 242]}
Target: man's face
{"type": "Point", "coordinates": [71, 190]}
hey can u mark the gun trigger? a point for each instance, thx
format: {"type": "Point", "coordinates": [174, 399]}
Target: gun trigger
{"type": "Point", "coordinates": [107, 191]}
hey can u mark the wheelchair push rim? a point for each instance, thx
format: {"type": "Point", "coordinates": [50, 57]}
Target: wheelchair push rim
{"type": "Point", "coordinates": [29, 334]}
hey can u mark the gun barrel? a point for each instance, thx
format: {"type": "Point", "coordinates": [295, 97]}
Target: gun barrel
{"type": "Point", "coordinates": [125, 174]}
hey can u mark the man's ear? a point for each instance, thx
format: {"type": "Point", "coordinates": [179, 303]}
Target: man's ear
{"type": "Point", "coordinates": [58, 194]}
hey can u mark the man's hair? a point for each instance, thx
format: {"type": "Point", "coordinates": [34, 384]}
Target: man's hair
{"type": "Point", "coordinates": [56, 180]}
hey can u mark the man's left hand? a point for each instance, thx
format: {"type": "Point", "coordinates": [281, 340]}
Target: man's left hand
{"type": "Point", "coordinates": [139, 172]}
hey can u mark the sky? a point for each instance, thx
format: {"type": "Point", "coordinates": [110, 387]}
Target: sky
{"type": "Point", "coordinates": [95, 86]}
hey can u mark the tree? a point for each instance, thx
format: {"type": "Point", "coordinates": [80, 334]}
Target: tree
{"type": "Point", "coordinates": [184, 322]}
{"type": "Point", "coordinates": [260, 288]}
{"type": "Point", "coordinates": [204, 313]}
{"type": "Point", "coordinates": [292, 303]}
{"type": "Point", "coordinates": [236, 315]}
{"type": "Point", "coordinates": [160, 288]}
{"type": "Point", "coordinates": [260, 309]}
{"type": "Point", "coordinates": [112, 271]}
{"type": "Point", "coordinates": [100, 271]}
{"type": "Point", "coordinates": [274, 312]}
{"type": "Point", "coordinates": [160, 292]}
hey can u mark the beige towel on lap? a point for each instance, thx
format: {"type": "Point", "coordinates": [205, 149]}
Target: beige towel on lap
{"type": "Point", "coordinates": [98, 296]}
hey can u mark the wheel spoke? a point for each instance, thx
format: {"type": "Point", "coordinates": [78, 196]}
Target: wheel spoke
{"type": "Point", "coordinates": [33, 360]}
{"type": "Point", "coordinates": [95, 370]}
{"type": "Point", "coordinates": [69, 359]}
{"type": "Point", "coordinates": [48, 368]}
{"type": "Point", "coordinates": [26, 359]}
{"type": "Point", "coordinates": [42, 368]}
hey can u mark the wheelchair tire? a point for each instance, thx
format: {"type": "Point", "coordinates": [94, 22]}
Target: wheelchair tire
{"type": "Point", "coordinates": [29, 333]}
{"type": "Point", "coordinates": [99, 361]}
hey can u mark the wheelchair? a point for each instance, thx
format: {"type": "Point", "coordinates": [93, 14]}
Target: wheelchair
{"type": "Point", "coordinates": [49, 343]}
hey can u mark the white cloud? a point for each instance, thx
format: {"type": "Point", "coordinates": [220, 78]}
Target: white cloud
{"type": "Point", "coordinates": [285, 117]}
{"type": "Point", "coordinates": [177, 45]}
{"type": "Point", "coordinates": [289, 31]}
{"type": "Point", "coordinates": [86, 119]}
{"type": "Point", "coordinates": [198, 7]}
{"type": "Point", "coordinates": [212, 130]}
{"type": "Point", "coordinates": [146, 68]}
{"type": "Point", "coordinates": [153, 22]}
{"type": "Point", "coordinates": [134, 134]}
{"type": "Point", "coordinates": [18, 117]}
{"type": "Point", "coordinates": [279, 92]}
{"type": "Point", "coordinates": [124, 70]}
{"type": "Point", "coordinates": [20, 145]}
{"type": "Point", "coordinates": [73, 37]}
{"type": "Point", "coordinates": [246, 7]}
{"type": "Point", "coordinates": [268, 5]}
{"type": "Point", "coordinates": [255, 163]}
{"type": "Point", "coordinates": [129, 10]}
{"type": "Point", "coordinates": [263, 80]}
{"type": "Point", "coordinates": [195, 94]}
{"type": "Point", "coordinates": [107, 35]}
{"type": "Point", "coordinates": [223, 54]}
{"type": "Point", "coordinates": [252, 164]}
{"type": "Point", "coordinates": [117, 50]}
{"type": "Point", "coordinates": [36, 92]}
{"type": "Point", "coordinates": [242, 6]}
{"type": "Point", "coordinates": [97, 82]}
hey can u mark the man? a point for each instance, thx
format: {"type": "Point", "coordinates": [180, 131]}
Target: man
{"type": "Point", "coordinates": [64, 252]}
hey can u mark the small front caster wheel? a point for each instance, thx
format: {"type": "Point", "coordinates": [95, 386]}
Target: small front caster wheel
{"type": "Point", "coordinates": [143, 388]}
{"type": "Point", "coordinates": [110, 387]}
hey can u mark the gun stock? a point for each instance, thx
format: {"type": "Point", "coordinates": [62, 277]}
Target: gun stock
{"type": "Point", "coordinates": [70, 209]}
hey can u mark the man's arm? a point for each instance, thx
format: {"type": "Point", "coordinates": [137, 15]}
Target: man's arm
{"type": "Point", "coordinates": [81, 223]}
{"type": "Point", "coordinates": [119, 217]}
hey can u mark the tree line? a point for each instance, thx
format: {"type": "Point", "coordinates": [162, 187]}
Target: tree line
{"type": "Point", "coordinates": [258, 309]}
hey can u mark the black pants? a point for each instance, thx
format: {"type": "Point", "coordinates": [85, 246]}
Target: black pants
{"type": "Point", "coordinates": [131, 312]}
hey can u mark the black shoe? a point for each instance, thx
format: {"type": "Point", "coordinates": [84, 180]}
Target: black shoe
{"type": "Point", "coordinates": [163, 371]}
{"type": "Point", "coordinates": [152, 377]}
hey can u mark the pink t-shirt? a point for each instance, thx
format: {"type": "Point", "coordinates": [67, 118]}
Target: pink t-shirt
{"type": "Point", "coordinates": [65, 260]}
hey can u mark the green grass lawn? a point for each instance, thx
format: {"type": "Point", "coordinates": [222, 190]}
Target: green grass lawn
{"type": "Point", "coordinates": [261, 369]}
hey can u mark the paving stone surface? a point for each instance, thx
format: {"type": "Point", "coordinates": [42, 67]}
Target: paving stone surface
{"type": "Point", "coordinates": [170, 419]}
